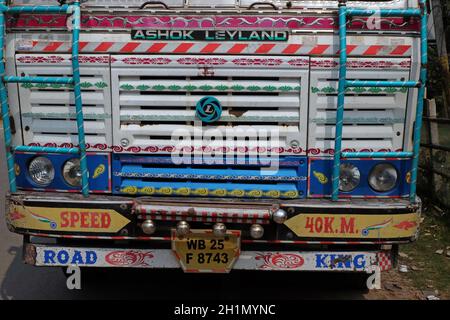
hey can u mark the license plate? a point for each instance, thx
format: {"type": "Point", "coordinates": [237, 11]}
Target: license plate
{"type": "Point", "coordinates": [202, 251]}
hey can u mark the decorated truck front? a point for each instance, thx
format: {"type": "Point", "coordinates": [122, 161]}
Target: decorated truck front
{"type": "Point", "coordinates": [213, 135]}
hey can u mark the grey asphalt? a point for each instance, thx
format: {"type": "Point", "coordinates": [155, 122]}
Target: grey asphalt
{"type": "Point", "coordinates": [21, 281]}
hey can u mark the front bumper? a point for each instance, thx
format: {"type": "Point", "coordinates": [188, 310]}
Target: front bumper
{"type": "Point", "coordinates": [311, 221]}
{"type": "Point", "coordinates": [349, 261]}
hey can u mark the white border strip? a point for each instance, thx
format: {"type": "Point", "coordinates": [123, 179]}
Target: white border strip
{"type": "Point", "coordinates": [165, 258]}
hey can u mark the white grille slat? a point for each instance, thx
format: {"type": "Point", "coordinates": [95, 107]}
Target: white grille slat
{"type": "Point", "coordinates": [380, 131]}
{"type": "Point", "coordinates": [352, 102]}
{"type": "Point", "coordinates": [59, 126]}
{"type": "Point", "coordinates": [357, 116]}
{"type": "Point", "coordinates": [42, 109]}
{"type": "Point", "coordinates": [165, 130]}
{"type": "Point", "coordinates": [59, 139]}
{"type": "Point", "coordinates": [351, 144]}
{"type": "Point", "coordinates": [190, 101]}
{"type": "Point", "coordinates": [187, 115]}
{"type": "Point", "coordinates": [65, 98]}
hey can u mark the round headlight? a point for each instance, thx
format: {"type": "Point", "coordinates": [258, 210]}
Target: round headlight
{"type": "Point", "coordinates": [383, 177]}
{"type": "Point", "coordinates": [41, 171]}
{"type": "Point", "coordinates": [349, 177]}
{"type": "Point", "coordinates": [72, 172]}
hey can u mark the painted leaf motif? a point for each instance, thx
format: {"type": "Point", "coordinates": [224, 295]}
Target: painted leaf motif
{"type": "Point", "coordinates": [101, 85]}
{"type": "Point", "coordinates": [273, 193]}
{"type": "Point", "coordinates": [390, 90]}
{"type": "Point", "coordinates": [41, 85]}
{"type": "Point", "coordinates": [286, 88]}
{"type": "Point", "coordinates": [130, 190]}
{"type": "Point", "coordinates": [143, 87]}
{"type": "Point", "coordinates": [328, 90]}
{"type": "Point", "coordinates": [27, 85]}
{"type": "Point", "coordinates": [99, 171]}
{"type": "Point", "coordinates": [255, 193]}
{"type": "Point", "coordinates": [219, 192]}
{"type": "Point", "coordinates": [270, 88]}
{"type": "Point", "coordinates": [291, 194]}
{"type": "Point", "coordinates": [165, 190]}
{"type": "Point", "coordinates": [159, 87]}
{"type": "Point", "coordinates": [321, 177]}
{"type": "Point", "coordinates": [375, 90]}
{"type": "Point", "coordinates": [190, 87]}
{"type": "Point", "coordinates": [85, 84]}
{"type": "Point", "coordinates": [206, 87]}
{"type": "Point", "coordinates": [174, 87]}
{"type": "Point", "coordinates": [126, 87]}
{"type": "Point", "coordinates": [147, 190]}
{"type": "Point", "coordinates": [254, 88]}
{"type": "Point", "coordinates": [222, 87]}
{"type": "Point", "coordinates": [238, 87]}
{"type": "Point", "coordinates": [183, 191]}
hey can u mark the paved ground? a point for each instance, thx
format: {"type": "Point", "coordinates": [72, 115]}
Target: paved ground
{"type": "Point", "coordinates": [20, 281]}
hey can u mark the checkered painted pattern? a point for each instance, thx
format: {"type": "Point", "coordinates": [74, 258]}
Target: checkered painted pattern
{"type": "Point", "coordinates": [384, 260]}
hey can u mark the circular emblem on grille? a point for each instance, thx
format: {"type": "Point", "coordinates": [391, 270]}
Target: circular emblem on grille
{"type": "Point", "coordinates": [208, 109]}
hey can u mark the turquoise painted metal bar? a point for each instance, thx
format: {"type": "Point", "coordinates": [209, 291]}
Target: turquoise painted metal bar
{"type": "Point", "coordinates": [35, 9]}
{"type": "Point", "coordinates": [78, 101]}
{"type": "Point", "coordinates": [340, 98]}
{"type": "Point", "coordinates": [421, 96]}
{"type": "Point", "coordinates": [343, 83]}
{"type": "Point", "coordinates": [384, 12]}
{"type": "Point", "coordinates": [13, 79]}
{"type": "Point", "coordinates": [399, 84]}
{"type": "Point", "coordinates": [377, 154]}
{"type": "Point", "coordinates": [46, 149]}
{"type": "Point", "coordinates": [5, 108]}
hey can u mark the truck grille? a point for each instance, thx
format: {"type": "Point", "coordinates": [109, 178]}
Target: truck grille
{"type": "Point", "coordinates": [154, 102]}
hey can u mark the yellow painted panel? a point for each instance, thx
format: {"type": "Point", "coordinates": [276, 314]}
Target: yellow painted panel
{"type": "Point", "coordinates": [66, 219]}
{"type": "Point", "coordinates": [364, 226]}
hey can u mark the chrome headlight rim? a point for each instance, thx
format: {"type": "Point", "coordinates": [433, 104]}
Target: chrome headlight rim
{"type": "Point", "coordinates": [372, 172]}
{"type": "Point", "coordinates": [68, 166]}
{"type": "Point", "coordinates": [356, 177]}
{"type": "Point", "coordinates": [35, 175]}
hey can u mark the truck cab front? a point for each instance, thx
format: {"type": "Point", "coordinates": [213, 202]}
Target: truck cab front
{"type": "Point", "coordinates": [214, 133]}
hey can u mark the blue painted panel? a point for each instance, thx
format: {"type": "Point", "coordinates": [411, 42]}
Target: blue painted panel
{"type": "Point", "coordinates": [156, 175]}
{"type": "Point", "coordinates": [320, 175]}
{"type": "Point", "coordinates": [98, 166]}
